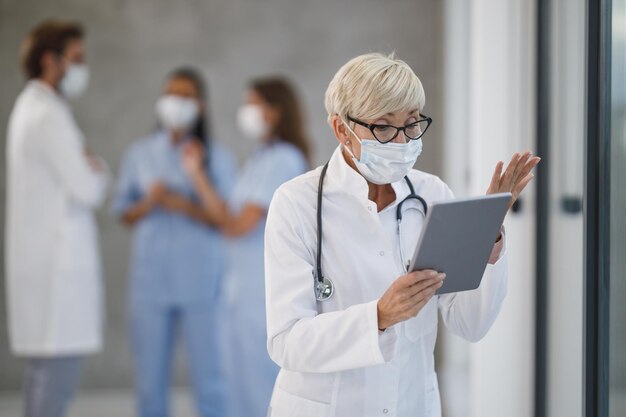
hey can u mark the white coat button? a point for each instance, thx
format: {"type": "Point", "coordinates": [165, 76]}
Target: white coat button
{"type": "Point", "coordinates": [369, 208]}
{"type": "Point", "coordinates": [381, 253]}
{"type": "Point", "coordinates": [385, 411]}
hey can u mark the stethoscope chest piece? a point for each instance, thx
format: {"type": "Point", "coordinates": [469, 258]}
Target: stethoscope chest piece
{"type": "Point", "coordinates": [324, 289]}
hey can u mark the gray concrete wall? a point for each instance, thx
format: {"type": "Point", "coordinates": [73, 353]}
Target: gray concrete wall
{"type": "Point", "coordinates": [133, 44]}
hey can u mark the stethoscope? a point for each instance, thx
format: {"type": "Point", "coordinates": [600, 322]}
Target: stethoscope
{"type": "Point", "coordinates": [324, 287]}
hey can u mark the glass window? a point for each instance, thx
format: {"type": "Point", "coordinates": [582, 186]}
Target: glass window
{"type": "Point", "coordinates": [564, 356]}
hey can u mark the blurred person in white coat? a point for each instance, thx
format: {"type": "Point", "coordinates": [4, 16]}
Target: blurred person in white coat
{"type": "Point", "coordinates": [52, 256]}
{"type": "Point", "coordinates": [364, 345]}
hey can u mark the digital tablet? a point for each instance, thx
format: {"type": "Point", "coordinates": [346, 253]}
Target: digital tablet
{"type": "Point", "coordinates": [458, 237]}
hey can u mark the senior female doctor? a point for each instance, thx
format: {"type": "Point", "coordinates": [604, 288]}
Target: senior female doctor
{"type": "Point", "coordinates": [367, 350]}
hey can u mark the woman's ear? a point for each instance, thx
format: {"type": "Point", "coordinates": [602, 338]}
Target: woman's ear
{"type": "Point", "coordinates": [52, 65]}
{"type": "Point", "coordinates": [340, 129]}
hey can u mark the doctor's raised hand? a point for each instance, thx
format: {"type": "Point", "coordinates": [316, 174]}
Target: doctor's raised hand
{"type": "Point", "coordinates": [516, 176]}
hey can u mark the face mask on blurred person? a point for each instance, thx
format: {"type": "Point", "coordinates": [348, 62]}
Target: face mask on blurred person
{"type": "Point", "coordinates": [176, 112]}
{"type": "Point", "coordinates": [75, 81]}
{"type": "Point", "coordinates": [385, 163]}
{"type": "Point", "coordinates": [251, 122]}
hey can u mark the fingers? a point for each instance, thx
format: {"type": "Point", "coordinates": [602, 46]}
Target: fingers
{"type": "Point", "coordinates": [419, 300]}
{"type": "Point", "coordinates": [157, 191]}
{"type": "Point", "coordinates": [409, 286]}
{"type": "Point", "coordinates": [424, 284]}
{"type": "Point", "coordinates": [530, 165]}
{"type": "Point", "coordinates": [407, 295]}
{"type": "Point", "coordinates": [525, 170]}
{"type": "Point", "coordinates": [507, 178]}
{"type": "Point", "coordinates": [517, 170]}
{"type": "Point", "coordinates": [512, 171]}
{"type": "Point", "coordinates": [410, 307]}
{"type": "Point", "coordinates": [413, 278]}
{"type": "Point", "coordinates": [522, 184]}
{"type": "Point", "coordinates": [426, 292]}
{"type": "Point", "coordinates": [521, 164]}
{"type": "Point", "coordinates": [494, 186]}
{"type": "Point", "coordinates": [524, 176]}
{"type": "Point", "coordinates": [193, 149]}
{"type": "Point", "coordinates": [526, 166]}
{"type": "Point", "coordinates": [191, 152]}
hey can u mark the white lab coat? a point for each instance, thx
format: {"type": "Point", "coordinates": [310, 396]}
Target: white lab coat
{"type": "Point", "coordinates": [52, 257]}
{"type": "Point", "coordinates": [333, 359]}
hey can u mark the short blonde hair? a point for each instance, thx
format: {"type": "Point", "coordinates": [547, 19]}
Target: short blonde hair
{"type": "Point", "coordinates": [372, 85]}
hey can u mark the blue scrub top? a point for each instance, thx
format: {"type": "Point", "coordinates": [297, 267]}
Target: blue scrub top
{"type": "Point", "coordinates": [269, 166]}
{"type": "Point", "coordinates": [175, 259]}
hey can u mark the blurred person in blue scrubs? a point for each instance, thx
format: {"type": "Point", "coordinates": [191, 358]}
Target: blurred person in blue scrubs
{"type": "Point", "coordinates": [272, 120]}
{"type": "Point", "coordinates": [177, 259]}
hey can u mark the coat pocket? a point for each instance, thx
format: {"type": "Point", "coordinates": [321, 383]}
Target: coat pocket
{"type": "Point", "coordinates": [422, 324]}
{"type": "Point", "coordinates": [286, 404]}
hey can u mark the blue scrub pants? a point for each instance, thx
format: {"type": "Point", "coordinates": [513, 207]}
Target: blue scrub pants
{"type": "Point", "coordinates": [251, 373]}
{"type": "Point", "coordinates": [155, 327]}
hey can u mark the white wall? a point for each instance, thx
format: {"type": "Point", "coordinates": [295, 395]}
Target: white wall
{"type": "Point", "coordinates": [493, 84]}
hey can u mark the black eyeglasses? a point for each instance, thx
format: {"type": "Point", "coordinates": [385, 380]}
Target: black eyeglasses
{"type": "Point", "coordinates": [387, 133]}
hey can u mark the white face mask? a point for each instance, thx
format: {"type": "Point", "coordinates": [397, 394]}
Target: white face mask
{"type": "Point", "coordinates": [176, 112]}
{"type": "Point", "coordinates": [74, 82]}
{"type": "Point", "coordinates": [251, 122]}
{"type": "Point", "coordinates": [385, 163]}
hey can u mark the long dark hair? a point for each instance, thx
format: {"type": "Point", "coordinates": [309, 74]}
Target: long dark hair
{"type": "Point", "coordinates": [279, 93]}
{"type": "Point", "coordinates": [202, 128]}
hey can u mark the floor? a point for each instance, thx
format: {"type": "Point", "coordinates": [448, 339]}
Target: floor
{"type": "Point", "coordinates": [100, 403]}
{"type": "Point", "coordinates": [108, 403]}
